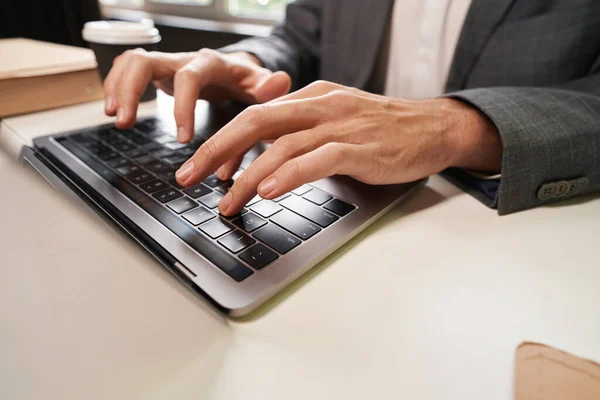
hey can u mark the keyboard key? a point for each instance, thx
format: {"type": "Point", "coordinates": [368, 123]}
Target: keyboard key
{"type": "Point", "coordinates": [128, 170]}
{"type": "Point", "coordinates": [301, 190]}
{"type": "Point", "coordinates": [150, 147]}
{"type": "Point", "coordinates": [307, 209]}
{"type": "Point", "coordinates": [140, 176]}
{"type": "Point", "coordinates": [224, 188]}
{"type": "Point", "coordinates": [158, 167]}
{"type": "Point", "coordinates": [154, 186]}
{"type": "Point", "coordinates": [294, 223]}
{"type": "Point", "coordinates": [198, 216]}
{"type": "Point", "coordinates": [145, 159]}
{"type": "Point", "coordinates": [175, 160]}
{"type": "Point", "coordinates": [283, 196]}
{"type": "Point", "coordinates": [266, 208]}
{"type": "Point", "coordinates": [213, 181]}
{"type": "Point", "coordinates": [162, 152]}
{"type": "Point", "coordinates": [254, 200]}
{"type": "Point", "coordinates": [175, 145]}
{"type": "Point", "coordinates": [339, 207]}
{"type": "Point", "coordinates": [123, 147]}
{"type": "Point", "coordinates": [215, 228]}
{"type": "Point", "coordinates": [167, 176]}
{"type": "Point", "coordinates": [249, 222]}
{"type": "Point", "coordinates": [119, 162]}
{"type": "Point", "coordinates": [197, 191]}
{"type": "Point", "coordinates": [134, 153]}
{"type": "Point", "coordinates": [107, 155]}
{"type": "Point", "coordinates": [277, 238]}
{"type": "Point", "coordinates": [317, 197]}
{"type": "Point", "coordinates": [138, 139]}
{"type": "Point", "coordinates": [186, 152]}
{"type": "Point", "coordinates": [236, 241]}
{"type": "Point", "coordinates": [211, 200]}
{"type": "Point", "coordinates": [258, 256]}
{"type": "Point", "coordinates": [166, 195]}
{"type": "Point", "coordinates": [164, 139]}
{"type": "Point", "coordinates": [182, 205]}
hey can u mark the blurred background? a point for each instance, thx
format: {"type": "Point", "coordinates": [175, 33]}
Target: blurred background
{"type": "Point", "coordinates": [185, 25]}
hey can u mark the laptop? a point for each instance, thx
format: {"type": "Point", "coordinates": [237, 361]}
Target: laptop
{"type": "Point", "coordinates": [238, 263]}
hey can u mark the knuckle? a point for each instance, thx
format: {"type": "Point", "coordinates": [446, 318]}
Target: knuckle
{"type": "Point", "coordinates": [254, 114]}
{"type": "Point", "coordinates": [296, 170]}
{"type": "Point", "coordinates": [242, 183]}
{"type": "Point", "coordinates": [321, 84]}
{"type": "Point", "coordinates": [185, 74]}
{"type": "Point", "coordinates": [207, 53]}
{"type": "Point", "coordinates": [208, 150]}
{"type": "Point", "coordinates": [284, 147]}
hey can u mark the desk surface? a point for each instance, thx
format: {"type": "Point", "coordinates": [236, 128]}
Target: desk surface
{"type": "Point", "coordinates": [430, 302]}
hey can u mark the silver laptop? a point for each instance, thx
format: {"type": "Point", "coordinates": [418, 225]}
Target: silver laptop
{"type": "Point", "coordinates": [238, 263]}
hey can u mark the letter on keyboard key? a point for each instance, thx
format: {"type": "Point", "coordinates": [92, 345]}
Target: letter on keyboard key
{"type": "Point", "coordinates": [198, 216]}
{"type": "Point", "coordinates": [182, 205]}
{"type": "Point", "coordinates": [153, 186]}
{"type": "Point", "coordinates": [249, 222]}
{"type": "Point", "coordinates": [236, 241]}
{"type": "Point", "coordinates": [259, 256]}
{"type": "Point", "coordinates": [277, 238]}
{"type": "Point", "coordinates": [166, 195]}
{"type": "Point", "coordinates": [309, 210]}
{"type": "Point", "coordinates": [197, 191]}
{"type": "Point", "coordinates": [294, 223]}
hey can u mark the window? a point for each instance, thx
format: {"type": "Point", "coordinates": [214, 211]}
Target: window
{"type": "Point", "coordinates": [266, 11]}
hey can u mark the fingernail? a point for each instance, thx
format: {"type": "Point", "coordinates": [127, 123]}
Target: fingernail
{"type": "Point", "coordinates": [185, 171]}
{"type": "Point", "coordinates": [120, 114]}
{"type": "Point", "coordinates": [225, 201]}
{"type": "Point", "coordinates": [110, 103]}
{"type": "Point", "coordinates": [181, 137]}
{"type": "Point", "coordinates": [267, 187]}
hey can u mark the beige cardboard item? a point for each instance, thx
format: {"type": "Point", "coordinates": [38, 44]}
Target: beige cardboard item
{"type": "Point", "coordinates": [545, 373]}
{"type": "Point", "coordinates": [38, 76]}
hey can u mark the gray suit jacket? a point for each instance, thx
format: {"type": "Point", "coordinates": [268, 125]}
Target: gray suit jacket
{"type": "Point", "coordinates": [532, 66]}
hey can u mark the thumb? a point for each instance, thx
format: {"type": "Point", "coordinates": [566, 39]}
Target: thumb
{"type": "Point", "coordinates": [273, 86]}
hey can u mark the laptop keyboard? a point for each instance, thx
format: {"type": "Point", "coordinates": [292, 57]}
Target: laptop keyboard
{"type": "Point", "coordinates": [141, 163]}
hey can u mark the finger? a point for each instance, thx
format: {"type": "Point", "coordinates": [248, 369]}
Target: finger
{"type": "Point", "coordinates": [272, 87]}
{"type": "Point", "coordinates": [227, 170]}
{"type": "Point", "coordinates": [283, 150]}
{"type": "Point", "coordinates": [142, 67]}
{"type": "Point", "coordinates": [329, 159]}
{"type": "Point", "coordinates": [256, 123]}
{"type": "Point", "coordinates": [187, 84]}
{"type": "Point", "coordinates": [110, 86]}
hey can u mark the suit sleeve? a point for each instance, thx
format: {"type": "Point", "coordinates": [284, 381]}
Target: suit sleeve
{"type": "Point", "coordinates": [551, 141]}
{"type": "Point", "coordinates": [293, 46]}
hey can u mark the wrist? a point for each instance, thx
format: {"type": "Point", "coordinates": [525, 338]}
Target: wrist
{"type": "Point", "coordinates": [473, 139]}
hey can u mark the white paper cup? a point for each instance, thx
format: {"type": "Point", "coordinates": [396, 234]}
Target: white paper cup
{"type": "Point", "coordinates": [109, 39]}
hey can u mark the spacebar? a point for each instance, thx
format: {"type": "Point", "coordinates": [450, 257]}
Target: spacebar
{"type": "Point", "coordinates": [210, 250]}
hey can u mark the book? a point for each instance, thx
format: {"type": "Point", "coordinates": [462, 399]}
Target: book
{"type": "Point", "coordinates": [37, 76]}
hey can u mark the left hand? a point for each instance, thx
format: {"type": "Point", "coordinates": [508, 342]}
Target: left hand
{"type": "Point", "coordinates": [327, 129]}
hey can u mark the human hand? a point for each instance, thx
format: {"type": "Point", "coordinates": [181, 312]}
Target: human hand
{"type": "Point", "coordinates": [206, 74]}
{"type": "Point", "coordinates": [327, 129]}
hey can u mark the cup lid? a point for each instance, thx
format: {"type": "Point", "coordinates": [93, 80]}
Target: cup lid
{"type": "Point", "coordinates": [121, 32]}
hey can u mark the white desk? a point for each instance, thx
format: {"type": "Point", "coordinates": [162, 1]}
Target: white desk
{"type": "Point", "coordinates": [428, 303]}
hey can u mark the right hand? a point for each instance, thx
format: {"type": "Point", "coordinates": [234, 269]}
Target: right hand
{"type": "Point", "coordinates": [206, 74]}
